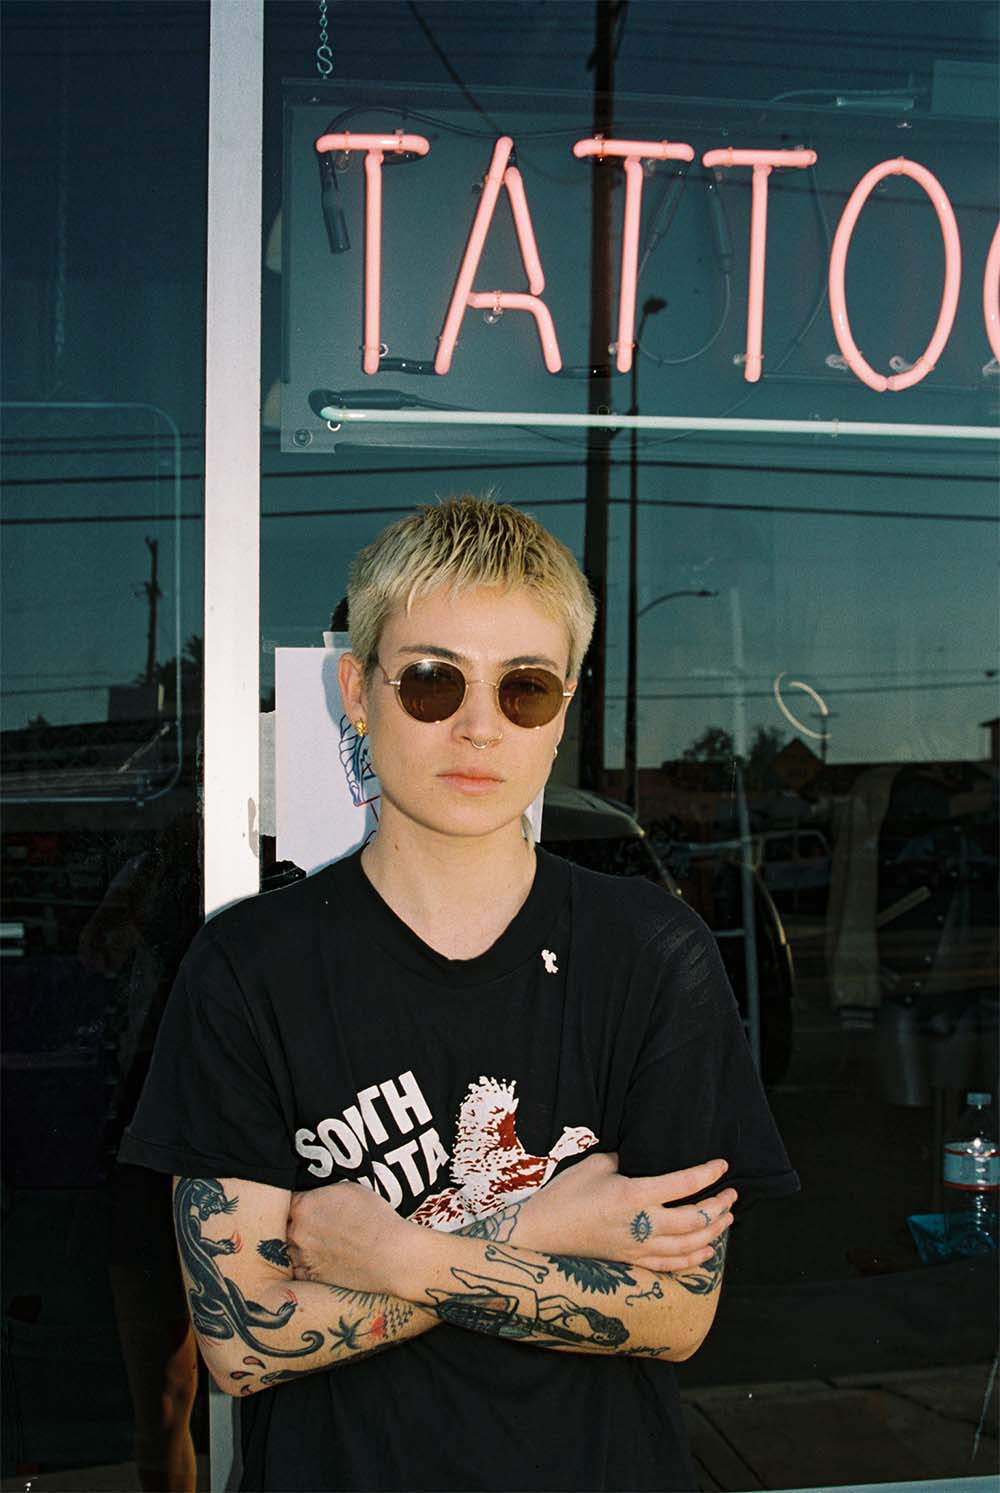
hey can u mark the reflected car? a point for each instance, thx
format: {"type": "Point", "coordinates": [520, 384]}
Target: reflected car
{"type": "Point", "coordinates": [598, 833]}
{"type": "Point", "coordinates": [795, 866]}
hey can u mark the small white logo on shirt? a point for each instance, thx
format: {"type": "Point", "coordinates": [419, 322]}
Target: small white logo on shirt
{"type": "Point", "coordinates": [549, 960]}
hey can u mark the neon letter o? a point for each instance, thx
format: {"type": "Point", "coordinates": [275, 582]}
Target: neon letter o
{"type": "Point", "coordinates": [952, 275]}
{"type": "Point", "coordinates": [991, 294]}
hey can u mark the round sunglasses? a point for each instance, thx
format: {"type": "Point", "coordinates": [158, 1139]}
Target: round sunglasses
{"type": "Point", "coordinates": [431, 690]}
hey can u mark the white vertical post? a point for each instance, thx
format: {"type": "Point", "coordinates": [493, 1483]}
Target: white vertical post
{"type": "Point", "coordinates": [232, 452]}
{"type": "Point", "coordinates": [232, 493]}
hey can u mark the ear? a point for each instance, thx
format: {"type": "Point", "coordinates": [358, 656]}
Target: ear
{"type": "Point", "coordinates": [570, 683]}
{"type": "Point", "coordinates": [351, 678]}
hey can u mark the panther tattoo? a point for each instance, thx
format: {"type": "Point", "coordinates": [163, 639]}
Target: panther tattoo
{"type": "Point", "coordinates": [219, 1309]}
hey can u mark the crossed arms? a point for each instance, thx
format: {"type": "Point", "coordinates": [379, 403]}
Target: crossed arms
{"type": "Point", "coordinates": [281, 1285]}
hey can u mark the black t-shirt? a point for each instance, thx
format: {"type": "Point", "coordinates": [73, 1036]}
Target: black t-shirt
{"type": "Point", "coordinates": [313, 1037]}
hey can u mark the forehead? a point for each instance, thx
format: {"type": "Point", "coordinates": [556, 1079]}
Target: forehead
{"type": "Point", "coordinates": [478, 625]}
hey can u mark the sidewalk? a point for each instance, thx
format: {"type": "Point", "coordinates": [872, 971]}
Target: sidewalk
{"type": "Point", "coordinates": [868, 1428]}
{"type": "Point", "coordinates": [845, 1432]}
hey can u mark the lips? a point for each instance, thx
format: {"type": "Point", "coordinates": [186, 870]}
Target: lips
{"type": "Point", "coordinates": [473, 781]}
{"type": "Point", "coordinates": [472, 774]}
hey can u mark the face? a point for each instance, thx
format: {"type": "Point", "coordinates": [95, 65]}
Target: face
{"type": "Point", "coordinates": [476, 772]}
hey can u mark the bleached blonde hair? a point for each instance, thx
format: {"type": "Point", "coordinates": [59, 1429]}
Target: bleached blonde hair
{"type": "Point", "coordinates": [461, 543]}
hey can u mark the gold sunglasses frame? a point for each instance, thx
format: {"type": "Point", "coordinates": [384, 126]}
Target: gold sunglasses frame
{"type": "Point", "coordinates": [567, 694]}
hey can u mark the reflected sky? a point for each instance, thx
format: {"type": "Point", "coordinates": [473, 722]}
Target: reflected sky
{"type": "Point", "coordinates": [877, 586]}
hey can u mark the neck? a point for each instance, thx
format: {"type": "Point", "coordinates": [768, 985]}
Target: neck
{"type": "Point", "coordinates": [457, 894]}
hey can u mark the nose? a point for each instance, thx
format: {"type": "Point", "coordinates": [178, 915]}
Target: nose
{"type": "Point", "coordinates": [480, 720]}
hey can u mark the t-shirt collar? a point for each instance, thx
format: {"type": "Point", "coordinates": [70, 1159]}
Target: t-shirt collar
{"type": "Point", "coordinates": [531, 927]}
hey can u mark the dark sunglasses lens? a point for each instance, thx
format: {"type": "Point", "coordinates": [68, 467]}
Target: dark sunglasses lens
{"type": "Point", "coordinates": [431, 691]}
{"type": "Point", "coordinates": [530, 697]}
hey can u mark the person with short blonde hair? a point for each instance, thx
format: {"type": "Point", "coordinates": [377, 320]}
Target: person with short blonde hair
{"type": "Point", "coordinates": [459, 544]}
{"type": "Point", "coordinates": [452, 1099]}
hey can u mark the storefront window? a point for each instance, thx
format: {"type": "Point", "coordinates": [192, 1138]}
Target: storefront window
{"type": "Point", "coordinates": [802, 616]}
{"type": "Point", "coordinates": [104, 242]}
{"type": "Point", "coordinates": [789, 713]}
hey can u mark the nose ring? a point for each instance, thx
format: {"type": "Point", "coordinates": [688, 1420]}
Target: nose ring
{"type": "Point", "coordinates": [480, 746]}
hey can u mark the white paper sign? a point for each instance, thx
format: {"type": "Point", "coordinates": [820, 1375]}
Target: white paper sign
{"type": "Point", "coordinates": [326, 792]}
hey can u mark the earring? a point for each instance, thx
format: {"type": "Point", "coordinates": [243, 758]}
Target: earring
{"type": "Point", "coordinates": [361, 726]}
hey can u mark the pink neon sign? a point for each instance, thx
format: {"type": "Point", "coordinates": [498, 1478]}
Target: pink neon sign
{"type": "Point", "coordinates": [375, 147]}
{"type": "Point", "coordinates": [991, 294]}
{"type": "Point", "coordinates": [633, 153]}
{"type": "Point", "coordinates": [763, 162]}
{"type": "Point", "coordinates": [463, 297]}
{"type": "Point", "coordinates": [952, 275]}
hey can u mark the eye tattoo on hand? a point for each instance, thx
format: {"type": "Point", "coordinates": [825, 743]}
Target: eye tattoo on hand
{"type": "Point", "coordinates": [640, 1228]}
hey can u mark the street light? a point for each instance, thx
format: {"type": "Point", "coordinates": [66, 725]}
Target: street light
{"type": "Point", "coordinates": [631, 784]}
{"type": "Point", "coordinates": [652, 306]}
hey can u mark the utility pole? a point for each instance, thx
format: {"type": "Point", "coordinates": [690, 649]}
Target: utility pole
{"type": "Point", "coordinates": [152, 592]}
{"type": "Point", "coordinates": [651, 307]}
{"type": "Point", "coordinates": [607, 15]}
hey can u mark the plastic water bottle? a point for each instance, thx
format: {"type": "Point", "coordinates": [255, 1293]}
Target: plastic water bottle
{"type": "Point", "coordinates": [971, 1177]}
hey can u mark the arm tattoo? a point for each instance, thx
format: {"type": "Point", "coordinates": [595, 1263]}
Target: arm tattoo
{"type": "Point", "coordinates": [275, 1252]}
{"type": "Point", "coordinates": [219, 1309]}
{"type": "Point", "coordinates": [605, 1276]}
{"type": "Point", "coordinates": [497, 1227]}
{"type": "Point", "coordinates": [706, 1278]}
{"type": "Point", "coordinates": [512, 1310]}
{"type": "Point", "coordinates": [655, 1290]}
{"type": "Point", "coordinates": [388, 1314]}
{"type": "Point", "coordinates": [640, 1228]}
{"type": "Point", "coordinates": [531, 1268]}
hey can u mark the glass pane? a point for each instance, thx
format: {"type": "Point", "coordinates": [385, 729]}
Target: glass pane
{"type": "Point", "coordinates": [102, 435]}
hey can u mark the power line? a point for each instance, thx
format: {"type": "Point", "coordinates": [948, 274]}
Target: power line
{"type": "Point", "coordinates": [801, 509]}
{"type": "Point", "coordinates": [765, 694]}
{"type": "Point", "coordinates": [862, 689]}
{"type": "Point", "coordinates": [445, 62]}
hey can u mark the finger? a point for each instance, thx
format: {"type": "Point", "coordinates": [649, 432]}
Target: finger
{"type": "Point", "coordinates": [676, 1264]}
{"type": "Point", "coordinates": [690, 1217]}
{"type": "Point", "coordinates": [672, 1186]}
{"type": "Point", "coordinates": [697, 1239]}
{"type": "Point", "coordinates": [688, 1256]}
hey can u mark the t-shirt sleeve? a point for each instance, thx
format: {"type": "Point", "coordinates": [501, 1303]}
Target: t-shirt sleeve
{"type": "Point", "coordinates": [694, 1093]}
{"type": "Point", "coordinates": [210, 1104]}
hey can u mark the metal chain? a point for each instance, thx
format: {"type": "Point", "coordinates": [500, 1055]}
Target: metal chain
{"type": "Point", "coordinates": [324, 55]}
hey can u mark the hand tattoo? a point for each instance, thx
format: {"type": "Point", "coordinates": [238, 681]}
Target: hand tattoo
{"type": "Point", "coordinates": [640, 1228]}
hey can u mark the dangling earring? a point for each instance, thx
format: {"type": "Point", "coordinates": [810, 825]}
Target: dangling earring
{"type": "Point", "coordinates": [361, 726]}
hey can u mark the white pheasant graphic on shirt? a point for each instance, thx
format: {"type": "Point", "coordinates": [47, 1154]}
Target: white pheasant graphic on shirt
{"type": "Point", "coordinates": [489, 1165]}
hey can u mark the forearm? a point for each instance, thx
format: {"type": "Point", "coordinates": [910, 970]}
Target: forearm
{"type": "Point", "coordinates": [256, 1325]}
{"type": "Point", "coordinates": [565, 1302]}
{"type": "Point", "coordinates": [327, 1326]}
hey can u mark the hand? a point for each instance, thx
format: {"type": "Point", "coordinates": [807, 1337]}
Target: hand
{"type": "Point", "coordinates": [345, 1235]}
{"type": "Point", "coordinates": [591, 1209]}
